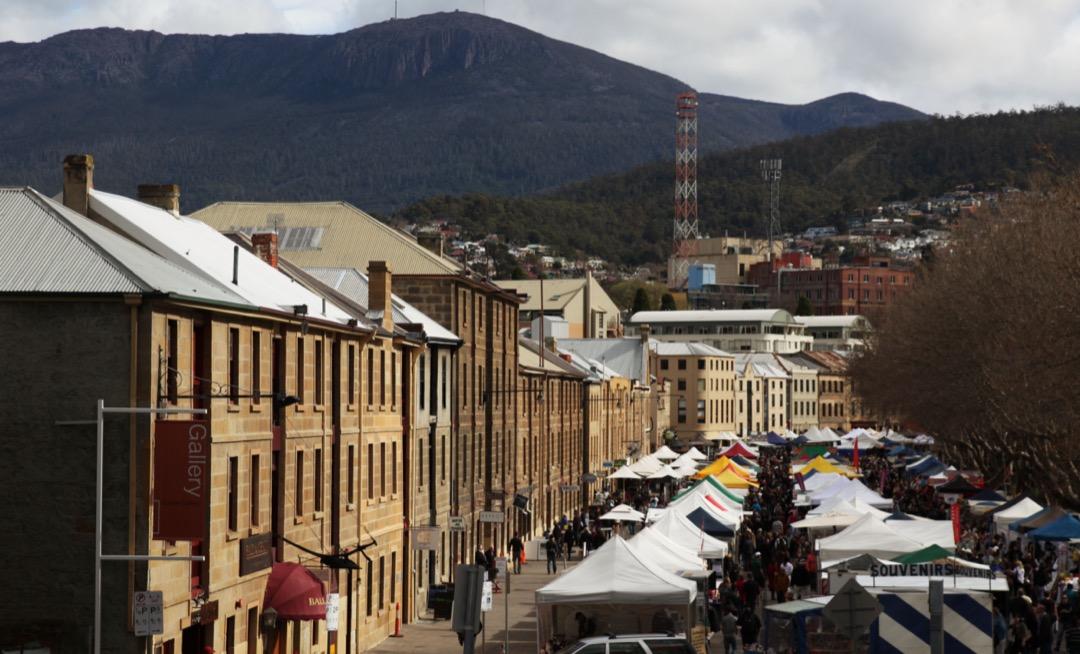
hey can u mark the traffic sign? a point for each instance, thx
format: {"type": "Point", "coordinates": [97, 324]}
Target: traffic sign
{"type": "Point", "coordinates": [457, 523]}
{"type": "Point", "coordinates": [148, 613]}
{"type": "Point", "coordinates": [853, 609]}
{"type": "Point", "coordinates": [492, 516]}
{"type": "Point", "coordinates": [486, 597]}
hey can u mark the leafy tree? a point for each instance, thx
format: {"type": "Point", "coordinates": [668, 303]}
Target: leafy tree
{"type": "Point", "coordinates": [641, 301]}
{"type": "Point", "coordinates": [805, 308]}
{"type": "Point", "coordinates": [518, 273]}
{"type": "Point", "coordinates": [981, 352]}
{"type": "Point", "coordinates": [667, 302]}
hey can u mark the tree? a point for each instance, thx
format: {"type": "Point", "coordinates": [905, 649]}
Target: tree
{"type": "Point", "coordinates": [641, 301]}
{"type": "Point", "coordinates": [982, 351]}
{"type": "Point", "coordinates": [805, 308]}
{"type": "Point", "coordinates": [667, 302]}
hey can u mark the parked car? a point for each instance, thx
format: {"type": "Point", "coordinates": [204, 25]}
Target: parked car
{"type": "Point", "coordinates": [631, 644]}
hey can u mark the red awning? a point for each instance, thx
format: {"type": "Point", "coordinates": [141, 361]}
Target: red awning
{"type": "Point", "coordinates": [295, 593]}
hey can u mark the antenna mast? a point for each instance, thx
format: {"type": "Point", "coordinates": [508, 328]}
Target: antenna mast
{"type": "Point", "coordinates": [770, 172]}
{"type": "Point", "coordinates": [686, 233]}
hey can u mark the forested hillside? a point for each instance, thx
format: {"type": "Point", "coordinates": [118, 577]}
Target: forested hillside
{"type": "Point", "coordinates": [627, 218]}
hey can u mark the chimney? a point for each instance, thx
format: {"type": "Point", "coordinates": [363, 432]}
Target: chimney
{"type": "Point", "coordinates": [162, 196]}
{"type": "Point", "coordinates": [379, 274]}
{"type": "Point", "coordinates": [644, 330]}
{"type": "Point", "coordinates": [78, 180]}
{"type": "Point", "coordinates": [551, 344]}
{"type": "Point", "coordinates": [265, 246]}
{"type": "Point", "coordinates": [432, 241]}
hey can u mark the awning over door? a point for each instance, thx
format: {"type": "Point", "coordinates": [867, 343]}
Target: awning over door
{"type": "Point", "coordinates": [295, 593]}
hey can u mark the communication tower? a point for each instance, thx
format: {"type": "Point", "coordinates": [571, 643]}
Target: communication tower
{"type": "Point", "coordinates": [770, 172]}
{"type": "Point", "coordinates": [686, 233]}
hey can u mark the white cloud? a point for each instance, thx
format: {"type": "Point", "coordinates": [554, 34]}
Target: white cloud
{"type": "Point", "coordinates": [942, 56]}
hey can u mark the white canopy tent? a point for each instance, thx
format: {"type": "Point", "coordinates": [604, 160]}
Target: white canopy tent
{"type": "Point", "coordinates": [696, 454]}
{"type": "Point", "coordinates": [1025, 508]}
{"type": "Point", "coordinates": [665, 453]}
{"type": "Point", "coordinates": [619, 588]}
{"type": "Point", "coordinates": [679, 529]}
{"type": "Point", "coordinates": [666, 553]}
{"type": "Point", "coordinates": [867, 535]}
{"type": "Point", "coordinates": [667, 472]}
{"type": "Point", "coordinates": [647, 465]}
{"type": "Point", "coordinates": [927, 532]}
{"type": "Point", "coordinates": [829, 519]}
{"type": "Point", "coordinates": [850, 490]}
{"type": "Point", "coordinates": [624, 473]}
{"type": "Point", "coordinates": [625, 513]}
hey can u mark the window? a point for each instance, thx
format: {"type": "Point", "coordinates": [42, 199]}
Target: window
{"type": "Point", "coordinates": [256, 365]}
{"type": "Point", "coordinates": [663, 364]}
{"type": "Point", "coordinates": [370, 589]}
{"type": "Point", "coordinates": [420, 462]}
{"type": "Point", "coordinates": [701, 364]}
{"type": "Point", "coordinates": [300, 368]}
{"type": "Point", "coordinates": [382, 469]}
{"type": "Point", "coordinates": [370, 377]}
{"type": "Point", "coordinates": [393, 379]}
{"type": "Point", "coordinates": [382, 377]}
{"type": "Point", "coordinates": [319, 375]}
{"type": "Point", "coordinates": [234, 365]}
{"type": "Point", "coordinates": [681, 383]}
{"type": "Point", "coordinates": [255, 486]}
{"type": "Point", "coordinates": [682, 411]}
{"type": "Point", "coordinates": [701, 384]}
{"type": "Point", "coordinates": [350, 387]}
{"type": "Point", "coordinates": [318, 481]}
{"type": "Point", "coordinates": [370, 471]}
{"type": "Point", "coordinates": [234, 492]}
{"type": "Point", "coordinates": [393, 467]}
{"type": "Point", "coordinates": [423, 379]}
{"type": "Point", "coordinates": [382, 581]}
{"type": "Point", "coordinates": [442, 383]}
{"type": "Point", "coordinates": [299, 483]}
{"type": "Point", "coordinates": [350, 484]}
{"type": "Point", "coordinates": [682, 364]}
{"type": "Point", "coordinates": [442, 458]}
{"type": "Point", "coordinates": [851, 294]}
{"type": "Point", "coordinates": [701, 411]}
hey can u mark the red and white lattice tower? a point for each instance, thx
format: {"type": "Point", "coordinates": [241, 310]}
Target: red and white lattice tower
{"type": "Point", "coordinates": [684, 245]}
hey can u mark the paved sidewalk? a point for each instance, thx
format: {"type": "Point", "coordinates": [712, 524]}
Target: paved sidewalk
{"type": "Point", "coordinates": [430, 635]}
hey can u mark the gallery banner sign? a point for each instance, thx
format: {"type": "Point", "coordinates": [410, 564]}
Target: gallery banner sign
{"type": "Point", "coordinates": [181, 479]}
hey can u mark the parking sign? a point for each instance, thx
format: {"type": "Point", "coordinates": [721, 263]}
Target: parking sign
{"type": "Point", "coordinates": [148, 612]}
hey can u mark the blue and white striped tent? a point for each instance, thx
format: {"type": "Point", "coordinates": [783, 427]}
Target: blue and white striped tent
{"type": "Point", "coordinates": [902, 628]}
{"type": "Point", "coordinates": [904, 624]}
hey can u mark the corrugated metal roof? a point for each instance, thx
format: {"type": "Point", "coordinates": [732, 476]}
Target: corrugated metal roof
{"type": "Point", "coordinates": [349, 238]}
{"type": "Point", "coordinates": [711, 316]}
{"type": "Point", "coordinates": [557, 292]}
{"type": "Point", "coordinates": [354, 285]}
{"type": "Point", "coordinates": [666, 349]}
{"type": "Point", "coordinates": [202, 250]}
{"type": "Point", "coordinates": [621, 355]}
{"type": "Point", "coordinates": [49, 248]}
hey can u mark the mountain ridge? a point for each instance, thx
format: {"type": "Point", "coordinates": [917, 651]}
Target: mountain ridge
{"type": "Point", "coordinates": [382, 115]}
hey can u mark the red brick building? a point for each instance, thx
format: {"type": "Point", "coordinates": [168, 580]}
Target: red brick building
{"type": "Point", "coordinates": [868, 283]}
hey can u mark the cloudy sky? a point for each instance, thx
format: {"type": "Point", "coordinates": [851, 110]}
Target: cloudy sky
{"type": "Point", "coordinates": [938, 56]}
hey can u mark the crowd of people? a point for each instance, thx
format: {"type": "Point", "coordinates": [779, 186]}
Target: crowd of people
{"type": "Point", "coordinates": [773, 562]}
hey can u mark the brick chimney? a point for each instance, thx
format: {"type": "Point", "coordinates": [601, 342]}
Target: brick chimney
{"type": "Point", "coordinates": [78, 180]}
{"type": "Point", "coordinates": [162, 196]}
{"type": "Point", "coordinates": [432, 241]}
{"type": "Point", "coordinates": [379, 279]}
{"type": "Point", "coordinates": [265, 246]}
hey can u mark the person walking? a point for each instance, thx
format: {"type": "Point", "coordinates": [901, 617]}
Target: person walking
{"type": "Point", "coordinates": [728, 625]}
{"type": "Point", "coordinates": [517, 547]}
{"type": "Point", "coordinates": [551, 548]}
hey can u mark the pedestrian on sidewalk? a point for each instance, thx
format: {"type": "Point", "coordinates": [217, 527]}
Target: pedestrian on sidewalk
{"type": "Point", "coordinates": [517, 547]}
{"type": "Point", "coordinates": [551, 547]}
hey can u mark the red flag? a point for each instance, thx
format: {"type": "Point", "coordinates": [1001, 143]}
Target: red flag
{"type": "Point", "coordinates": [954, 513]}
{"type": "Point", "coordinates": [855, 459]}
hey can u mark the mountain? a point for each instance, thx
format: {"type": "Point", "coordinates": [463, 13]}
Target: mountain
{"type": "Point", "coordinates": [381, 116]}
